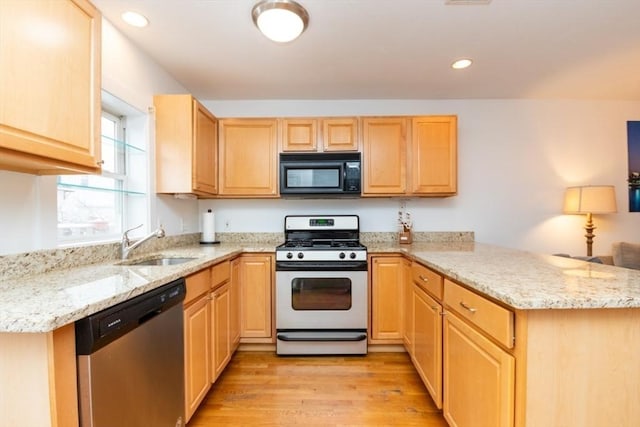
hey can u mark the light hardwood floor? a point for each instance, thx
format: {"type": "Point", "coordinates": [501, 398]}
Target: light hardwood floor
{"type": "Point", "coordinates": [381, 389]}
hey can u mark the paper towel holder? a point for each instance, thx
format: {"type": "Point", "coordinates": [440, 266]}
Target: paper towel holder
{"type": "Point", "coordinates": [210, 233]}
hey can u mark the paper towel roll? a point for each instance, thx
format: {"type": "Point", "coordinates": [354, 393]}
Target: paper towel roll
{"type": "Point", "coordinates": [208, 227]}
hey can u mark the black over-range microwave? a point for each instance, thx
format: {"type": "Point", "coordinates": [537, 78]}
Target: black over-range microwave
{"type": "Point", "coordinates": [320, 174]}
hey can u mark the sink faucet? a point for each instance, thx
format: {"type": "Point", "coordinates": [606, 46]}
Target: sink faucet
{"type": "Point", "coordinates": [125, 246]}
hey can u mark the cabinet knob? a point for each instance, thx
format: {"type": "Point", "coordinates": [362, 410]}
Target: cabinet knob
{"type": "Point", "coordinates": [424, 279]}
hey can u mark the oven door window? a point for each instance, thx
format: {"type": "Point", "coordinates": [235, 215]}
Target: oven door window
{"type": "Point", "coordinates": [315, 293]}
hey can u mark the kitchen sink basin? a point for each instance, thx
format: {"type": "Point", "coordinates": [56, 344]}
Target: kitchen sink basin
{"type": "Point", "coordinates": [160, 261]}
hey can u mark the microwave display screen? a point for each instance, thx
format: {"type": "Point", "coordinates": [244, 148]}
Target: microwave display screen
{"type": "Point", "coordinates": [313, 178]}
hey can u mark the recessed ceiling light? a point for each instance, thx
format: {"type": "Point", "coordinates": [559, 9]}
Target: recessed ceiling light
{"type": "Point", "coordinates": [461, 63]}
{"type": "Point", "coordinates": [135, 19]}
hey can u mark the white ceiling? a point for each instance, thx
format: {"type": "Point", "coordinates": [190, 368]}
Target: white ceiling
{"type": "Point", "coordinates": [396, 49]}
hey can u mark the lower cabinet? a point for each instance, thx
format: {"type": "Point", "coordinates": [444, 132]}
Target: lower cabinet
{"type": "Point", "coordinates": [427, 344]}
{"type": "Point", "coordinates": [387, 283]}
{"type": "Point", "coordinates": [209, 315]}
{"type": "Point", "coordinates": [479, 378]}
{"type": "Point", "coordinates": [197, 356]}
{"type": "Point", "coordinates": [256, 302]}
{"type": "Point", "coordinates": [221, 322]}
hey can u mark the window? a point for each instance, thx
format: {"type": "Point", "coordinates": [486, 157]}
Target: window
{"type": "Point", "coordinates": [96, 208]}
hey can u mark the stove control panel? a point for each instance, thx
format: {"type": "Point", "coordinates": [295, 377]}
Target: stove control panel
{"type": "Point", "coordinates": [357, 255]}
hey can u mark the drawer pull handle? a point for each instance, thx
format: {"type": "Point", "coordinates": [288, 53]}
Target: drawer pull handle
{"type": "Point", "coordinates": [468, 307]}
{"type": "Point", "coordinates": [424, 279]}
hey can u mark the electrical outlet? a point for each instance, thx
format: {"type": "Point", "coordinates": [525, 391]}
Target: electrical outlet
{"type": "Point", "coordinates": [226, 224]}
{"type": "Point", "coordinates": [183, 225]}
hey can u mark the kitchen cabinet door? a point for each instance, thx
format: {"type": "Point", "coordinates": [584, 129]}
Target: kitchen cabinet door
{"type": "Point", "coordinates": [299, 135]}
{"type": "Point", "coordinates": [407, 307]}
{"type": "Point", "coordinates": [186, 146]}
{"type": "Point", "coordinates": [256, 298]}
{"type": "Point", "coordinates": [50, 86]}
{"type": "Point", "coordinates": [197, 353]}
{"type": "Point", "coordinates": [478, 378]}
{"type": "Point", "coordinates": [387, 282]}
{"type": "Point", "coordinates": [340, 134]}
{"type": "Point", "coordinates": [427, 344]}
{"type": "Point", "coordinates": [384, 156]}
{"type": "Point", "coordinates": [220, 329]}
{"type": "Point", "coordinates": [234, 310]}
{"type": "Point", "coordinates": [248, 157]}
{"type": "Point", "coordinates": [434, 145]}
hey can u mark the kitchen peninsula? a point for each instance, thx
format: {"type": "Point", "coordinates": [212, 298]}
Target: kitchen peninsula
{"type": "Point", "coordinates": [572, 357]}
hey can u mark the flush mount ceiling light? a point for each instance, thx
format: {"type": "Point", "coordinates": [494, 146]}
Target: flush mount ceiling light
{"type": "Point", "coordinates": [280, 20]}
{"type": "Point", "coordinates": [135, 19]}
{"type": "Point", "coordinates": [461, 63]}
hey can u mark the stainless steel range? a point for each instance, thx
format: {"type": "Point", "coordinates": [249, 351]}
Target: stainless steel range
{"type": "Point", "coordinates": [321, 286]}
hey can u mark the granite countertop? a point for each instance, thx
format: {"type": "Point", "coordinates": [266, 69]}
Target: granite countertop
{"type": "Point", "coordinates": [526, 280]}
{"type": "Point", "coordinates": [520, 279]}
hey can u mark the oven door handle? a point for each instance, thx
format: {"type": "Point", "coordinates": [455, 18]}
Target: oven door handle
{"type": "Point", "coordinates": [342, 336]}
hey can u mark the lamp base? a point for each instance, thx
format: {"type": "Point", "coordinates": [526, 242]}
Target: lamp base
{"type": "Point", "coordinates": [589, 227]}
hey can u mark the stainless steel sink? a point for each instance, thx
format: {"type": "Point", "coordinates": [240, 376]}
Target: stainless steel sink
{"type": "Point", "coordinates": [160, 261]}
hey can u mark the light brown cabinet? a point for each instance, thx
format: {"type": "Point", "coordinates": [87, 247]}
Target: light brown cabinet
{"type": "Point", "coordinates": [222, 312]}
{"type": "Point", "coordinates": [427, 348]}
{"type": "Point", "coordinates": [50, 87]}
{"type": "Point", "coordinates": [186, 146]}
{"type": "Point", "coordinates": [221, 338]}
{"type": "Point", "coordinates": [208, 317]}
{"type": "Point", "coordinates": [299, 135]}
{"type": "Point", "coordinates": [387, 284]}
{"type": "Point", "coordinates": [384, 156]}
{"type": "Point", "coordinates": [320, 134]}
{"type": "Point", "coordinates": [426, 324]}
{"type": "Point", "coordinates": [234, 295]}
{"type": "Point", "coordinates": [479, 378]}
{"type": "Point", "coordinates": [434, 155]}
{"type": "Point", "coordinates": [409, 156]}
{"type": "Point", "coordinates": [197, 356]}
{"type": "Point", "coordinates": [248, 157]}
{"type": "Point", "coordinates": [340, 134]}
{"type": "Point", "coordinates": [473, 328]}
{"type": "Point", "coordinates": [256, 302]}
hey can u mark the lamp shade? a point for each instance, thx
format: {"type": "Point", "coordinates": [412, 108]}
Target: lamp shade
{"type": "Point", "coordinates": [280, 20]}
{"type": "Point", "coordinates": [595, 199]}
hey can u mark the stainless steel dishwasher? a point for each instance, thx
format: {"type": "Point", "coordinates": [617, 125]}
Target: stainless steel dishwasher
{"type": "Point", "coordinates": [131, 362]}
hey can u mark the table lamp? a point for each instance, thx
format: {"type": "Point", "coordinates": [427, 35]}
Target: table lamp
{"type": "Point", "coordinates": [590, 199]}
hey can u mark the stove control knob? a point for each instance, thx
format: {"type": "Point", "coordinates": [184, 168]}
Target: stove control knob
{"type": "Point", "coordinates": [300, 255]}
{"type": "Point", "coordinates": [289, 255]}
{"type": "Point", "coordinates": [352, 255]}
{"type": "Point", "coordinates": [341, 255]}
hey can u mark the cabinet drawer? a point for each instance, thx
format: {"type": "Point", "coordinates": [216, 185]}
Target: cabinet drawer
{"type": "Point", "coordinates": [427, 279]}
{"type": "Point", "coordinates": [220, 273]}
{"type": "Point", "coordinates": [197, 284]}
{"type": "Point", "coordinates": [488, 316]}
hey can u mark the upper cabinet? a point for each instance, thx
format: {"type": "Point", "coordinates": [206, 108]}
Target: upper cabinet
{"type": "Point", "coordinates": [299, 135]}
{"type": "Point", "coordinates": [384, 154]}
{"type": "Point", "coordinates": [50, 86]}
{"type": "Point", "coordinates": [434, 147]}
{"type": "Point", "coordinates": [186, 146]}
{"type": "Point", "coordinates": [409, 156]}
{"type": "Point", "coordinates": [321, 134]}
{"type": "Point", "coordinates": [248, 157]}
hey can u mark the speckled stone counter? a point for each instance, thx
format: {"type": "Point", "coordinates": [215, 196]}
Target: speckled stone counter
{"type": "Point", "coordinates": [525, 280]}
{"type": "Point", "coordinates": [44, 302]}
{"type": "Point", "coordinates": [522, 280]}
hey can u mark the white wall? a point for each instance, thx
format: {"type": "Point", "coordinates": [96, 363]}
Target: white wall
{"type": "Point", "coordinates": [515, 159]}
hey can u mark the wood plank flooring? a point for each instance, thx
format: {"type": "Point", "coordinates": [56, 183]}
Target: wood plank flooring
{"type": "Point", "coordinates": [380, 389]}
